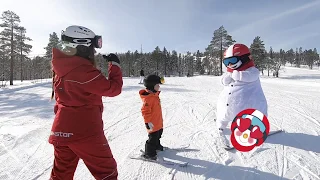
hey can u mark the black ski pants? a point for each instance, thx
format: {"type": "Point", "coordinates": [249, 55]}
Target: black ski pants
{"type": "Point", "coordinates": [153, 143]}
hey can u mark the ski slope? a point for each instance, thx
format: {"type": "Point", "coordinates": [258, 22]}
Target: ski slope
{"type": "Point", "coordinates": [189, 105]}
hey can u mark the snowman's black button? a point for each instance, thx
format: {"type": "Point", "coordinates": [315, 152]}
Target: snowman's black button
{"type": "Point", "coordinates": [229, 93]}
{"type": "Point", "coordinates": [227, 104]}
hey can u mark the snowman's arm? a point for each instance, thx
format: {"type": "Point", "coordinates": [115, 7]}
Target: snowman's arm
{"type": "Point", "coordinates": [226, 79]}
{"type": "Point", "coordinates": [249, 75]}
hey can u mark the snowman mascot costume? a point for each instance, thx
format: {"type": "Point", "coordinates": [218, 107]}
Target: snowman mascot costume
{"type": "Point", "coordinates": [242, 88]}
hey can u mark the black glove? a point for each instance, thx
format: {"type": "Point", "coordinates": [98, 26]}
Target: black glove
{"type": "Point", "coordinates": [111, 57]}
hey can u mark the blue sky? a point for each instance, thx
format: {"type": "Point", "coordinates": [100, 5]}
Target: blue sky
{"type": "Point", "coordinates": [183, 25]}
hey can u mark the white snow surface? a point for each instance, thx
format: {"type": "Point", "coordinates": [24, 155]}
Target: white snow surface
{"type": "Point", "coordinates": [189, 106]}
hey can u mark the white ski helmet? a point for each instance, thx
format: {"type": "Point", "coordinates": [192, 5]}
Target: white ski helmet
{"type": "Point", "coordinates": [79, 35]}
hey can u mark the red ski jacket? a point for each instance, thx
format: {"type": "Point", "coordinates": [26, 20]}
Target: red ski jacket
{"type": "Point", "coordinates": [79, 88]}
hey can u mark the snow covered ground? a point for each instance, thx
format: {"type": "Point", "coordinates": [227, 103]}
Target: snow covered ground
{"type": "Point", "coordinates": [189, 104]}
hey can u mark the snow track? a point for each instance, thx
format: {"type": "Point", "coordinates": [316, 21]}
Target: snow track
{"type": "Point", "coordinates": [189, 106]}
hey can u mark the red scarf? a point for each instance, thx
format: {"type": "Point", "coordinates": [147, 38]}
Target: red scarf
{"type": "Point", "coordinates": [243, 67]}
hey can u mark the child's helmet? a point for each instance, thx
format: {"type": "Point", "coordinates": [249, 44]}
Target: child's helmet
{"type": "Point", "coordinates": [151, 80]}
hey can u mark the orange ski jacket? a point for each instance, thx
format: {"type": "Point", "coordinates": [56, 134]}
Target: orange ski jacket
{"type": "Point", "coordinates": [151, 109]}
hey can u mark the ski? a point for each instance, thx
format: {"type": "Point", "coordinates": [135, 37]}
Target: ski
{"type": "Point", "coordinates": [159, 160]}
{"type": "Point", "coordinates": [181, 148]}
{"type": "Point", "coordinates": [228, 148]}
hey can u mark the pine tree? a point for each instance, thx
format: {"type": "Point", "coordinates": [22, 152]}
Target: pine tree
{"type": "Point", "coordinates": [258, 53]}
{"type": "Point", "coordinates": [296, 57]}
{"type": "Point", "coordinates": [307, 55]}
{"type": "Point", "coordinates": [9, 34]}
{"type": "Point", "coordinates": [136, 63]}
{"type": "Point", "coordinates": [316, 56]}
{"type": "Point", "coordinates": [156, 57]}
{"type": "Point", "coordinates": [39, 70]}
{"type": "Point", "coordinates": [180, 65]}
{"type": "Point", "coordinates": [189, 60]}
{"type": "Point", "coordinates": [174, 61]}
{"type": "Point", "coordinates": [24, 48]}
{"type": "Point", "coordinates": [221, 40]}
{"type": "Point", "coordinates": [199, 67]}
{"type": "Point", "coordinates": [274, 62]}
{"type": "Point", "coordinates": [270, 62]}
{"type": "Point", "coordinates": [282, 57]}
{"type": "Point", "coordinates": [129, 62]}
{"type": "Point", "coordinates": [290, 56]}
{"type": "Point", "coordinates": [54, 42]}
{"type": "Point", "coordinates": [4, 60]}
{"type": "Point", "coordinates": [301, 58]}
{"type": "Point", "coordinates": [311, 57]}
{"type": "Point", "coordinates": [169, 64]}
{"type": "Point", "coordinates": [165, 57]}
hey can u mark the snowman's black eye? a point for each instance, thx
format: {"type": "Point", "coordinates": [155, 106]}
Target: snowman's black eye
{"type": "Point", "coordinates": [251, 127]}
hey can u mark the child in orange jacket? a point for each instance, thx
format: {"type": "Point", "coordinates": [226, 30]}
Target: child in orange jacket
{"type": "Point", "coordinates": [152, 115]}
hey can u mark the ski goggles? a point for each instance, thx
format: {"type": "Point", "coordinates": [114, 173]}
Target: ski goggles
{"type": "Point", "coordinates": [231, 60]}
{"type": "Point", "coordinates": [96, 41]}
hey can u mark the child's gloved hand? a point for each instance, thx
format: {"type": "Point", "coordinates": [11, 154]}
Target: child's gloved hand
{"type": "Point", "coordinates": [236, 75]}
{"type": "Point", "coordinates": [149, 126]}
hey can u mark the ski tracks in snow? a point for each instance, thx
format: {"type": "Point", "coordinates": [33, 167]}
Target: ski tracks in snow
{"type": "Point", "coordinates": [281, 161]}
{"type": "Point", "coordinates": [189, 109]}
{"type": "Point", "coordinates": [198, 118]}
{"type": "Point", "coordinates": [296, 111]}
{"type": "Point", "coordinates": [24, 131]}
{"type": "Point", "coordinates": [284, 162]}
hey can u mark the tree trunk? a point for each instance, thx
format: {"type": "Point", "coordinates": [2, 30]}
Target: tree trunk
{"type": "Point", "coordinates": [21, 60]}
{"type": "Point", "coordinates": [129, 68]}
{"type": "Point", "coordinates": [157, 71]}
{"type": "Point", "coordinates": [192, 67]}
{"type": "Point", "coordinates": [221, 55]}
{"type": "Point", "coordinates": [11, 56]}
{"type": "Point", "coordinates": [165, 67]}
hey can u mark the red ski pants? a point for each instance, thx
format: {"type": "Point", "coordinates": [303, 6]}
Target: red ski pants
{"type": "Point", "coordinates": [95, 153]}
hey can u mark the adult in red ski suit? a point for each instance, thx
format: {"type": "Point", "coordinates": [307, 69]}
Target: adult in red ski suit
{"type": "Point", "coordinates": [77, 130]}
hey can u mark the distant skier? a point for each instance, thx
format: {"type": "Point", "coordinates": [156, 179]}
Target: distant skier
{"type": "Point", "coordinates": [77, 130]}
{"type": "Point", "coordinates": [242, 88]}
{"type": "Point", "coordinates": [141, 76]}
{"type": "Point", "coordinates": [152, 114]}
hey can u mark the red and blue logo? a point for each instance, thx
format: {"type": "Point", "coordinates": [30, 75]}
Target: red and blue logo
{"type": "Point", "coordinates": [250, 128]}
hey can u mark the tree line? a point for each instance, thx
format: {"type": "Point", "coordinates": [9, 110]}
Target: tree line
{"type": "Point", "coordinates": [16, 65]}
